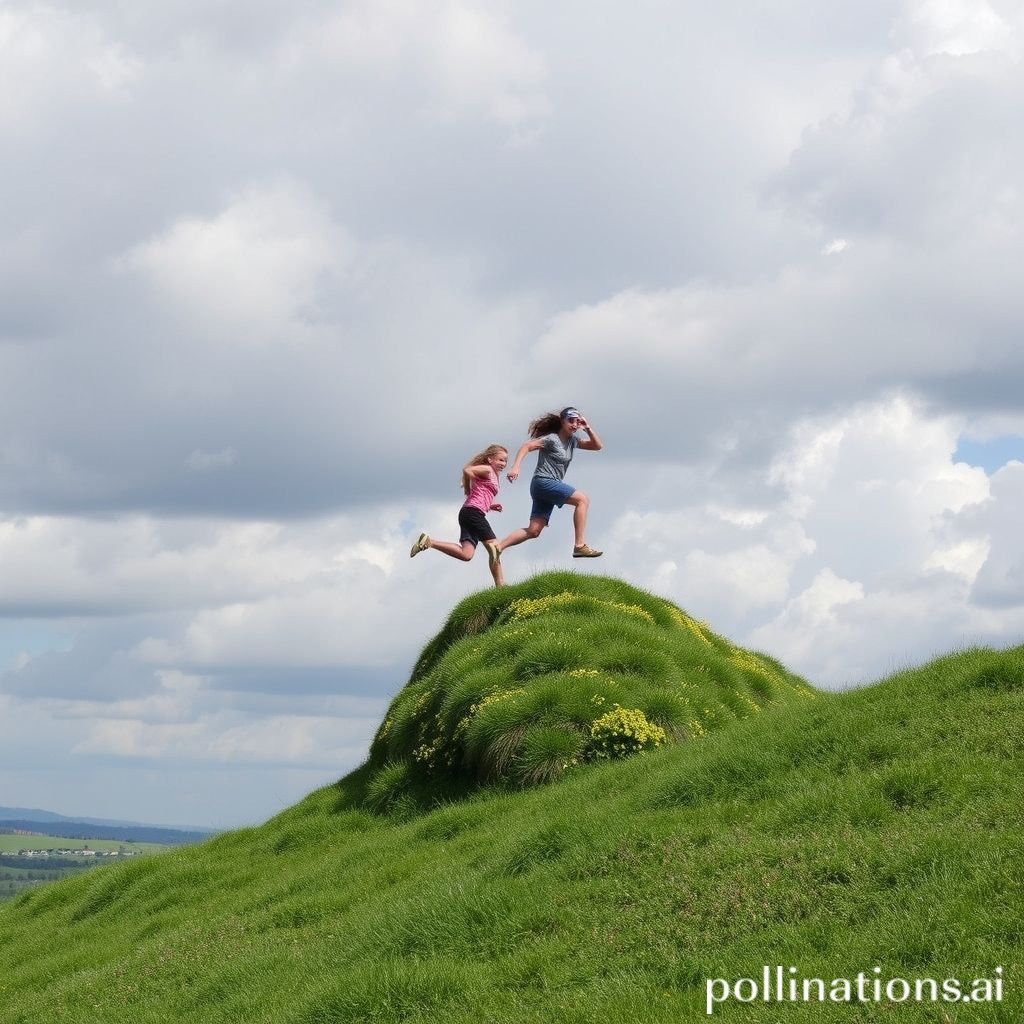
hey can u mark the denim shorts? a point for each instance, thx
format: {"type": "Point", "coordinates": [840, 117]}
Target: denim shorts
{"type": "Point", "coordinates": [546, 494]}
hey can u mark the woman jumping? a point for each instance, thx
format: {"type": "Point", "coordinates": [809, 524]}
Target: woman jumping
{"type": "Point", "coordinates": [480, 482]}
{"type": "Point", "coordinates": [554, 438]}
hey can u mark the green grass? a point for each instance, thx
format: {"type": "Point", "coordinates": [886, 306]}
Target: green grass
{"type": "Point", "coordinates": [876, 827]}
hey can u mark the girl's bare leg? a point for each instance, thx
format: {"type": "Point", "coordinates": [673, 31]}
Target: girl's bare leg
{"type": "Point", "coordinates": [498, 573]}
{"type": "Point", "coordinates": [463, 552]}
{"type": "Point", "coordinates": [529, 533]}
{"type": "Point", "coordinates": [580, 503]}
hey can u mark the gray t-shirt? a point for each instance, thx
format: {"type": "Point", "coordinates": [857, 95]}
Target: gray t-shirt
{"type": "Point", "coordinates": [553, 457]}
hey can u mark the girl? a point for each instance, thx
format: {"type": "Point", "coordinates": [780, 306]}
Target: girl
{"type": "Point", "coordinates": [480, 482]}
{"type": "Point", "coordinates": [554, 437]}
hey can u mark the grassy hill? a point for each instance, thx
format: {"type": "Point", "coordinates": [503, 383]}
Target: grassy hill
{"type": "Point", "coordinates": [876, 828]}
{"type": "Point", "coordinates": [525, 684]}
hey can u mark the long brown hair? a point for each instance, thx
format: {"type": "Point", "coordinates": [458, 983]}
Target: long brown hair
{"type": "Point", "coordinates": [549, 423]}
{"type": "Point", "coordinates": [481, 459]}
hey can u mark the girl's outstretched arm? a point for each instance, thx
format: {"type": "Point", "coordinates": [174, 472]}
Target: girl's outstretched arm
{"type": "Point", "coordinates": [527, 446]}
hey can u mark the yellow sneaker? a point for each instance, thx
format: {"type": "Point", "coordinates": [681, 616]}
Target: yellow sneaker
{"type": "Point", "coordinates": [585, 551]}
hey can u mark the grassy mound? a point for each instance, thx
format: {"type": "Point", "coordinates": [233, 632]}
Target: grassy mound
{"type": "Point", "coordinates": [528, 682]}
{"type": "Point", "coordinates": [875, 828]}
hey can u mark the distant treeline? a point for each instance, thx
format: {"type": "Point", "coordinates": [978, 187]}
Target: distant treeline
{"type": "Point", "coordinates": [121, 834]}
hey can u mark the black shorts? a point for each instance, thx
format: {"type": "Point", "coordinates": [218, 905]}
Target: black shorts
{"type": "Point", "coordinates": [475, 527]}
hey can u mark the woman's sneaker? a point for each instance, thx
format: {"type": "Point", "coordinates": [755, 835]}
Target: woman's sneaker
{"type": "Point", "coordinates": [421, 545]}
{"type": "Point", "coordinates": [585, 551]}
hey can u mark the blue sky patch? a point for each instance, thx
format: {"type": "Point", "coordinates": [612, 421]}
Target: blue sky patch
{"type": "Point", "coordinates": [990, 455]}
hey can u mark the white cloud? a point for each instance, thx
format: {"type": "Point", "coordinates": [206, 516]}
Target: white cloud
{"type": "Point", "coordinates": [64, 565]}
{"type": "Point", "coordinates": [464, 58]}
{"type": "Point", "coordinates": [168, 620]}
{"type": "Point", "coordinates": [965, 558]}
{"type": "Point", "coordinates": [887, 509]}
{"type": "Point", "coordinates": [862, 554]}
{"type": "Point", "coordinates": [272, 271]}
{"type": "Point", "coordinates": [251, 271]}
{"type": "Point", "coordinates": [960, 27]}
{"type": "Point", "coordinates": [753, 577]}
{"type": "Point", "coordinates": [745, 517]}
{"type": "Point", "coordinates": [176, 698]}
{"type": "Point", "coordinates": [50, 59]}
{"type": "Point", "coordinates": [810, 634]}
{"type": "Point", "coordinates": [290, 740]}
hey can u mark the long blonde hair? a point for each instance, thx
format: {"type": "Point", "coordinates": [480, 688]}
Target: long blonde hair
{"type": "Point", "coordinates": [481, 459]}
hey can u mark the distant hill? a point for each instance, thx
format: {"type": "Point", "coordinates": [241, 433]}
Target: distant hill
{"type": "Point", "coordinates": [35, 814]}
{"type": "Point", "coordinates": [876, 829]}
{"type": "Point", "coordinates": [70, 829]}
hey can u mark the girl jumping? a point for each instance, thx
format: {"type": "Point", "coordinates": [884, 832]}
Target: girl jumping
{"type": "Point", "coordinates": [480, 483]}
{"type": "Point", "coordinates": [554, 437]}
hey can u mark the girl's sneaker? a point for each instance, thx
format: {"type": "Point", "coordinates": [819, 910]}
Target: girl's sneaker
{"type": "Point", "coordinates": [421, 545]}
{"type": "Point", "coordinates": [586, 551]}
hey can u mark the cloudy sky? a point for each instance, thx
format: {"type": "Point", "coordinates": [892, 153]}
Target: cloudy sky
{"type": "Point", "coordinates": [270, 272]}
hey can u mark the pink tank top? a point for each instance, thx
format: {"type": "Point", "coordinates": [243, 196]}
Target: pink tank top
{"type": "Point", "coordinates": [482, 492]}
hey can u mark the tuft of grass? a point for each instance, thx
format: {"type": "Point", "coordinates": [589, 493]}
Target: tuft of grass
{"type": "Point", "coordinates": [548, 752]}
{"type": "Point", "coordinates": [1004, 671]}
{"type": "Point", "coordinates": [388, 785]}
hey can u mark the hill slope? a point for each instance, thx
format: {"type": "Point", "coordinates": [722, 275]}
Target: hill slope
{"type": "Point", "coordinates": [870, 828]}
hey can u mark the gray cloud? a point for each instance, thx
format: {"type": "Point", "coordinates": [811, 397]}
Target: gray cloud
{"type": "Point", "coordinates": [591, 199]}
{"type": "Point", "coordinates": [269, 274]}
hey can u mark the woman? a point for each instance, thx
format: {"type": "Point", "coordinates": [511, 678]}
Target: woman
{"type": "Point", "coordinates": [553, 437]}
